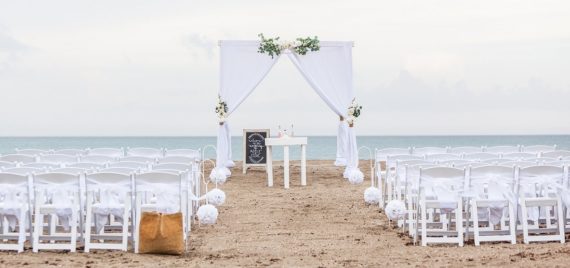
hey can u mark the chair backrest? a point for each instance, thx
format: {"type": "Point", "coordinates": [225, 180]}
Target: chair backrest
{"type": "Point", "coordinates": [428, 150]}
{"type": "Point", "coordinates": [412, 173]}
{"type": "Point", "coordinates": [120, 170]}
{"type": "Point", "coordinates": [542, 175]}
{"type": "Point", "coordinates": [71, 170]}
{"type": "Point", "coordinates": [72, 152]}
{"type": "Point", "coordinates": [110, 152]}
{"type": "Point", "coordinates": [31, 152]}
{"type": "Point", "coordinates": [465, 150]}
{"type": "Point", "coordinates": [442, 157]}
{"type": "Point", "coordinates": [134, 165]}
{"type": "Point", "coordinates": [13, 188]}
{"type": "Point", "coordinates": [495, 161]}
{"type": "Point", "coordinates": [454, 162]}
{"type": "Point", "coordinates": [469, 164]}
{"type": "Point", "coordinates": [538, 148]}
{"type": "Point", "coordinates": [146, 152]}
{"type": "Point", "coordinates": [42, 165]}
{"type": "Point", "coordinates": [495, 173]}
{"type": "Point", "coordinates": [177, 159]}
{"type": "Point", "coordinates": [521, 164]}
{"type": "Point", "coordinates": [142, 159]}
{"type": "Point", "coordinates": [166, 186]}
{"type": "Point", "coordinates": [556, 154]}
{"type": "Point", "coordinates": [63, 188]}
{"type": "Point", "coordinates": [59, 158]}
{"type": "Point", "coordinates": [480, 156]}
{"type": "Point", "coordinates": [503, 149]}
{"type": "Point", "coordinates": [25, 170]}
{"type": "Point", "coordinates": [101, 159]}
{"type": "Point", "coordinates": [392, 159]}
{"type": "Point", "coordinates": [87, 165]}
{"type": "Point", "coordinates": [18, 158]}
{"type": "Point", "coordinates": [4, 164]}
{"type": "Point", "coordinates": [191, 153]}
{"type": "Point", "coordinates": [108, 181]}
{"type": "Point", "coordinates": [519, 156]}
{"type": "Point", "coordinates": [446, 177]}
{"type": "Point", "coordinates": [173, 166]}
{"type": "Point", "coordinates": [382, 154]}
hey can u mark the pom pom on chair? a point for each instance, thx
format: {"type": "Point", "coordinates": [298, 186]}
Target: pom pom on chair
{"type": "Point", "coordinates": [216, 197]}
{"type": "Point", "coordinates": [207, 214]}
{"type": "Point", "coordinates": [355, 176]}
{"type": "Point", "coordinates": [372, 195]}
{"type": "Point", "coordinates": [219, 175]}
{"type": "Point", "coordinates": [395, 210]}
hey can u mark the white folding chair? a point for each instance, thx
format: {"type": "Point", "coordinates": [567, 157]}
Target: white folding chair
{"type": "Point", "coordinates": [380, 156]}
{"type": "Point", "coordinates": [18, 158]}
{"type": "Point", "coordinates": [423, 151]}
{"type": "Point", "coordinates": [146, 152]}
{"type": "Point", "coordinates": [556, 154]}
{"type": "Point", "coordinates": [503, 149]}
{"type": "Point", "coordinates": [110, 152]}
{"type": "Point", "coordinates": [454, 162]}
{"type": "Point", "coordinates": [57, 195]}
{"type": "Point", "coordinates": [492, 190]}
{"type": "Point", "coordinates": [99, 159]}
{"type": "Point", "coordinates": [72, 152]}
{"type": "Point", "coordinates": [538, 149]}
{"type": "Point", "coordinates": [142, 159]}
{"type": "Point", "coordinates": [440, 189]}
{"type": "Point", "coordinates": [389, 176]}
{"type": "Point", "coordinates": [159, 191]}
{"type": "Point", "coordinates": [495, 161]}
{"type": "Point", "coordinates": [61, 159]}
{"type": "Point", "coordinates": [5, 165]}
{"type": "Point", "coordinates": [465, 150]}
{"type": "Point", "coordinates": [190, 182]}
{"type": "Point", "coordinates": [521, 164]}
{"type": "Point", "coordinates": [468, 164]}
{"type": "Point", "coordinates": [442, 157]}
{"type": "Point", "coordinates": [411, 192]}
{"type": "Point", "coordinates": [519, 156]}
{"type": "Point", "coordinates": [133, 165]}
{"type": "Point", "coordinates": [120, 170]}
{"type": "Point", "coordinates": [538, 188]}
{"type": "Point", "coordinates": [32, 152]}
{"type": "Point", "coordinates": [109, 195]}
{"type": "Point", "coordinates": [480, 156]}
{"type": "Point", "coordinates": [42, 165]}
{"type": "Point", "coordinates": [87, 165]}
{"type": "Point", "coordinates": [14, 211]}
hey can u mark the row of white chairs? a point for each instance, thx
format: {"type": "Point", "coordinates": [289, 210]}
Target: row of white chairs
{"type": "Point", "coordinates": [91, 203]}
{"type": "Point", "coordinates": [503, 149]}
{"type": "Point", "coordinates": [67, 160]}
{"type": "Point", "coordinates": [114, 152]}
{"type": "Point", "coordinates": [488, 202]}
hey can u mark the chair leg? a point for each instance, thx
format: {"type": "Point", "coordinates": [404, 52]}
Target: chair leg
{"type": "Point", "coordinates": [475, 216]}
{"type": "Point", "coordinates": [560, 220]}
{"type": "Point", "coordinates": [73, 242]}
{"type": "Point", "coordinates": [87, 228]}
{"type": "Point", "coordinates": [524, 220]}
{"type": "Point", "coordinates": [459, 221]}
{"type": "Point", "coordinates": [424, 223]}
{"type": "Point", "coordinates": [22, 230]}
{"type": "Point", "coordinates": [38, 229]}
{"type": "Point", "coordinates": [512, 224]}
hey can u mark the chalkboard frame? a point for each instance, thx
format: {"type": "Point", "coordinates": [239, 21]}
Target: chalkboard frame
{"type": "Point", "coordinates": [252, 130]}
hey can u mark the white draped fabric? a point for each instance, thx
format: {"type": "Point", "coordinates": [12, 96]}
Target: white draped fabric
{"type": "Point", "coordinates": [328, 71]}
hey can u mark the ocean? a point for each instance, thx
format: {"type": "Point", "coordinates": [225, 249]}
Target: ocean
{"type": "Point", "coordinates": [319, 147]}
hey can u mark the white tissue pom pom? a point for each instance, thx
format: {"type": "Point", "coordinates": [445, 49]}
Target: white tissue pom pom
{"type": "Point", "coordinates": [207, 214]}
{"type": "Point", "coordinates": [355, 176]}
{"type": "Point", "coordinates": [216, 197]}
{"type": "Point", "coordinates": [395, 209]}
{"type": "Point", "coordinates": [219, 175]}
{"type": "Point", "coordinates": [372, 195]}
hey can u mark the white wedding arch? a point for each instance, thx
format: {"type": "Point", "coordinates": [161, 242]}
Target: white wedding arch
{"type": "Point", "coordinates": [328, 71]}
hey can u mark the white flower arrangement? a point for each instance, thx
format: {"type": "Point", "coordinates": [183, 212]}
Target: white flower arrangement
{"type": "Point", "coordinates": [395, 210]}
{"type": "Point", "coordinates": [353, 112]}
{"type": "Point", "coordinates": [221, 110]}
{"type": "Point", "coordinates": [274, 46]}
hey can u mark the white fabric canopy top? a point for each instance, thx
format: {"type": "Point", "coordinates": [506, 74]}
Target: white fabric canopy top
{"type": "Point", "coordinates": [328, 71]}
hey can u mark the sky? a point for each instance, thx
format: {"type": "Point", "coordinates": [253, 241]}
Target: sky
{"type": "Point", "coordinates": [137, 68]}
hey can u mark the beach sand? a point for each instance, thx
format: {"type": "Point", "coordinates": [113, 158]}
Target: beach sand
{"type": "Point", "coordinates": [325, 224]}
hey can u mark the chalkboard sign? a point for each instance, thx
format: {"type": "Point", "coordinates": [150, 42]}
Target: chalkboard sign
{"type": "Point", "coordinates": [254, 150]}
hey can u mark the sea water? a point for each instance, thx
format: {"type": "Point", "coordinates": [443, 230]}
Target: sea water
{"type": "Point", "coordinates": [319, 147]}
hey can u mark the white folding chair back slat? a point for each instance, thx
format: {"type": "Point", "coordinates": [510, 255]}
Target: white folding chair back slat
{"type": "Point", "coordinates": [480, 156]}
{"type": "Point", "coordinates": [43, 165]}
{"type": "Point", "coordinates": [32, 152]}
{"type": "Point", "coordinates": [110, 152]}
{"type": "Point", "coordinates": [519, 156]}
{"type": "Point", "coordinates": [133, 165]}
{"type": "Point", "coordinates": [556, 154]}
{"type": "Point", "coordinates": [503, 149]}
{"type": "Point", "coordinates": [72, 152]}
{"type": "Point", "coordinates": [4, 165]}
{"type": "Point", "coordinates": [142, 159]}
{"type": "Point", "coordinates": [521, 164]}
{"type": "Point", "coordinates": [442, 157]}
{"type": "Point", "coordinates": [87, 165]}
{"type": "Point", "coordinates": [145, 152]}
{"type": "Point", "coordinates": [191, 153]}
{"type": "Point", "coordinates": [465, 150]}
{"type": "Point", "coordinates": [59, 159]}
{"type": "Point", "coordinates": [100, 159]}
{"type": "Point", "coordinates": [177, 159]}
{"type": "Point", "coordinates": [120, 170]}
{"type": "Point", "coordinates": [422, 151]}
{"type": "Point", "coordinates": [538, 148]}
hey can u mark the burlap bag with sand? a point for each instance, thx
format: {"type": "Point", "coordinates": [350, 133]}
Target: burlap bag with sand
{"type": "Point", "coordinates": [161, 233]}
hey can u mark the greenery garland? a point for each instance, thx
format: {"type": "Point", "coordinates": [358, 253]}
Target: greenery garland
{"type": "Point", "coordinates": [274, 46]}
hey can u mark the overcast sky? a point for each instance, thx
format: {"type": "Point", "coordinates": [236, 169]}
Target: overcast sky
{"type": "Point", "coordinates": [151, 67]}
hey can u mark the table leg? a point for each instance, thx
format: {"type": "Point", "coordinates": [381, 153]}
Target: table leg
{"type": "Point", "coordinates": [303, 165]}
{"type": "Point", "coordinates": [286, 166]}
{"type": "Point", "coordinates": [269, 167]}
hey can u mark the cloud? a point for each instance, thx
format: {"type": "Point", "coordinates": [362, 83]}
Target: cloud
{"type": "Point", "coordinates": [199, 44]}
{"type": "Point", "coordinates": [10, 49]}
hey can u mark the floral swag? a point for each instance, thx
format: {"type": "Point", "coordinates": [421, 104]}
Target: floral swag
{"type": "Point", "coordinates": [353, 112]}
{"type": "Point", "coordinates": [221, 110]}
{"type": "Point", "coordinates": [274, 46]}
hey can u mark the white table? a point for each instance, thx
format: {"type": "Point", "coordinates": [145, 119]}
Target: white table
{"type": "Point", "coordinates": [286, 142]}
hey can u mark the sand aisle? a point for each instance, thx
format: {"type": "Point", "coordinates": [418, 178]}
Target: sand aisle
{"type": "Point", "coordinates": [325, 224]}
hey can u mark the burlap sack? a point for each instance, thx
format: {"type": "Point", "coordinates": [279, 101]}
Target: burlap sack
{"type": "Point", "coordinates": [161, 233]}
